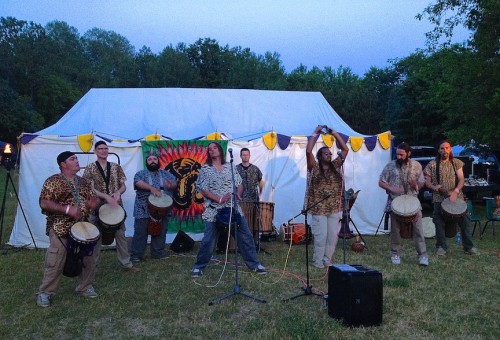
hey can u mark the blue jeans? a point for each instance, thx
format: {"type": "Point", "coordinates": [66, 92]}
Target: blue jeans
{"type": "Point", "coordinates": [463, 223]}
{"type": "Point", "coordinates": [140, 239]}
{"type": "Point", "coordinates": [245, 245]}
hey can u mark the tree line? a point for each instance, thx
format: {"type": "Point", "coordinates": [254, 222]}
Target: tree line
{"type": "Point", "coordinates": [447, 92]}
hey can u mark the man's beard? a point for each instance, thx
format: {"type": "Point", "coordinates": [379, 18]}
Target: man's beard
{"type": "Point", "coordinates": [400, 162]}
{"type": "Point", "coordinates": [153, 167]}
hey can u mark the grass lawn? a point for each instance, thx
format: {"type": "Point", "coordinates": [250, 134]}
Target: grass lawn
{"type": "Point", "coordinates": [456, 297]}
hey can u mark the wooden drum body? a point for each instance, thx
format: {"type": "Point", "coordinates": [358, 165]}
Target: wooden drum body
{"type": "Point", "coordinates": [159, 207]}
{"type": "Point", "coordinates": [256, 212]}
{"type": "Point", "coordinates": [452, 213]}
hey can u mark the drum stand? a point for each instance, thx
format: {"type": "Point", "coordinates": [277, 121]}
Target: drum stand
{"type": "Point", "coordinates": [385, 218]}
{"type": "Point", "coordinates": [236, 288]}
{"type": "Point", "coordinates": [308, 288]}
{"type": "Point", "coordinates": [8, 179]}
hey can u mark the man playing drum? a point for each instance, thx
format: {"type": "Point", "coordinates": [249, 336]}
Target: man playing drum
{"type": "Point", "coordinates": [216, 185]}
{"type": "Point", "coordinates": [159, 183]}
{"type": "Point", "coordinates": [108, 181]}
{"type": "Point", "coordinates": [404, 176]}
{"type": "Point", "coordinates": [66, 199]}
{"type": "Point", "coordinates": [445, 177]}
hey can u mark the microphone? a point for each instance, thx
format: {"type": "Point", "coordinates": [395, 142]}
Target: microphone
{"type": "Point", "coordinates": [230, 152]}
{"type": "Point", "coordinates": [339, 153]}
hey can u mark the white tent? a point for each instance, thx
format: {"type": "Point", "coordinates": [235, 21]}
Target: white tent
{"type": "Point", "coordinates": [125, 116]}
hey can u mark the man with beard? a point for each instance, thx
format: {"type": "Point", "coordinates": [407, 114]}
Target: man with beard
{"type": "Point", "coordinates": [151, 181]}
{"type": "Point", "coordinates": [216, 185]}
{"type": "Point", "coordinates": [404, 176]}
{"type": "Point", "coordinates": [445, 177]}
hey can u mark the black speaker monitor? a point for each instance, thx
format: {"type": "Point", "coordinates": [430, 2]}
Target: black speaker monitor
{"type": "Point", "coordinates": [355, 295]}
{"type": "Point", "coordinates": [182, 243]}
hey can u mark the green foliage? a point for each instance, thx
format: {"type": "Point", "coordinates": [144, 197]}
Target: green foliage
{"type": "Point", "coordinates": [446, 92]}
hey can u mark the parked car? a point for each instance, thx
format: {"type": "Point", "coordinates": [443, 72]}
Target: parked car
{"type": "Point", "coordinates": [482, 160]}
{"type": "Point", "coordinates": [423, 155]}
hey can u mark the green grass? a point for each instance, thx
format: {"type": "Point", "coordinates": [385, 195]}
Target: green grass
{"type": "Point", "coordinates": [456, 297]}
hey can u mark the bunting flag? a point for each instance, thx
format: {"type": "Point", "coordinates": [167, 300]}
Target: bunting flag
{"type": "Point", "coordinates": [214, 136]}
{"type": "Point", "coordinates": [152, 137]}
{"type": "Point", "coordinates": [85, 141]}
{"type": "Point", "coordinates": [283, 141]}
{"type": "Point", "coordinates": [371, 142]}
{"type": "Point", "coordinates": [270, 140]}
{"type": "Point", "coordinates": [328, 139]}
{"type": "Point", "coordinates": [385, 140]}
{"type": "Point", "coordinates": [356, 143]}
{"type": "Point", "coordinates": [183, 159]}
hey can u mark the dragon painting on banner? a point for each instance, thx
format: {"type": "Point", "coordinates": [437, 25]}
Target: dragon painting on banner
{"type": "Point", "coordinates": [183, 159]}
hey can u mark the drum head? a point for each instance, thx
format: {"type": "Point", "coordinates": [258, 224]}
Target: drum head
{"type": "Point", "coordinates": [111, 215]}
{"type": "Point", "coordinates": [84, 231]}
{"type": "Point", "coordinates": [164, 201]}
{"type": "Point", "coordinates": [457, 208]}
{"type": "Point", "coordinates": [405, 205]}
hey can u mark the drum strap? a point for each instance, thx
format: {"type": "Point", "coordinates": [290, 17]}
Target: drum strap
{"type": "Point", "coordinates": [106, 176]}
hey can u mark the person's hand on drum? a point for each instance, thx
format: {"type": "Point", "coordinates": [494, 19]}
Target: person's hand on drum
{"type": "Point", "coordinates": [414, 184]}
{"type": "Point", "coordinates": [92, 203]}
{"type": "Point", "coordinates": [397, 190]}
{"type": "Point", "coordinates": [155, 192]}
{"type": "Point", "coordinates": [113, 199]}
{"type": "Point", "coordinates": [453, 194]}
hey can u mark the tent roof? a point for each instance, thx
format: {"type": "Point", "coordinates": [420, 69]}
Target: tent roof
{"type": "Point", "coordinates": [180, 113]}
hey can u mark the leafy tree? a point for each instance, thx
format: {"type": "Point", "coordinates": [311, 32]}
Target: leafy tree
{"type": "Point", "coordinates": [175, 69]}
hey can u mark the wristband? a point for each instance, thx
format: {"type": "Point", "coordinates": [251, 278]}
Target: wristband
{"type": "Point", "coordinates": [67, 209]}
{"type": "Point", "coordinates": [220, 199]}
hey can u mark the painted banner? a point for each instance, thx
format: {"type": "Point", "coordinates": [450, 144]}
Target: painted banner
{"type": "Point", "coordinates": [183, 159]}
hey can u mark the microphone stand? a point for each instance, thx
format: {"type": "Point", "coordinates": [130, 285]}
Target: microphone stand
{"type": "Point", "coordinates": [236, 288]}
{"type": "Point", "coordinates": [308, 288]}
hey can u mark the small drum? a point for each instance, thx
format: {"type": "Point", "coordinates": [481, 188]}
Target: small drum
{"type": "Point", "coordinates": [83, 235]}
{"type": "Point", "coordinates": [452, 212]}
{"type": "Point", "coordinates": [296, 232]}
{"type": "Point", "coordinates": [110, 219]}
{"type": "Point", "coordinates": [158, 207]}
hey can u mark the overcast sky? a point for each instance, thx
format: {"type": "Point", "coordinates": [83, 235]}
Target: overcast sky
{"type": "Point", "coordinates": [353, 33]}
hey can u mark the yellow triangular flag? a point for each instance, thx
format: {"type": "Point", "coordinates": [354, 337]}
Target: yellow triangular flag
{"type": "Point", "coordinates": [270, 139]}
{"type": "Point", "coordinates": [154, 136]}
{"type": "Point", "coordinates": [328, 139]}
{"type": "Point", "coordinates": [356, 143]}
{"type": "Point", "coordinates": [85, 141]}
{"type": "Point", "coordinates": [214, 136]}
{"type": "Point", "coordinates": [385, 140]}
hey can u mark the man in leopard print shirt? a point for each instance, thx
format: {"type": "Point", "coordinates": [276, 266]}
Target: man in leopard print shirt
{"type": "Point", "coordinates": [66, 198]}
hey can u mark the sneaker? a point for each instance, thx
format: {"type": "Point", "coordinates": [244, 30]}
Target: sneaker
{"type": "Point", "coordinates": [196, 273]}
{"type": "Point", "coordinates": [89, 292]}
{"type": "Point", "coordinates": [43, 300]}
{"type": "Point", "coordinates": [395, 259]}
{"type": "Point", "coordinates": [441, 252]}
{"type": "Point", "coordinates": [327, 263]}
{"type": "Point", "coordinates": [319, 266]}
{"type": "Point", "coordinates": [261, 270]}
{"type": "Point", "coordinates": [135, 260]}
{"type": "Point", "coordinates": [423, 261]}
{"type": "Point", "coordinates": [472, 251]}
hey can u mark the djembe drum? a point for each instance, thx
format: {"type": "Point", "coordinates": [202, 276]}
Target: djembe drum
{"type": "Point", "coordinates": [406, 208]}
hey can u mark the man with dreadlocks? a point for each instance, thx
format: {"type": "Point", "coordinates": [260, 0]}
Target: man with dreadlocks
{"type": "Point", "coordinates": [324, 196]}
